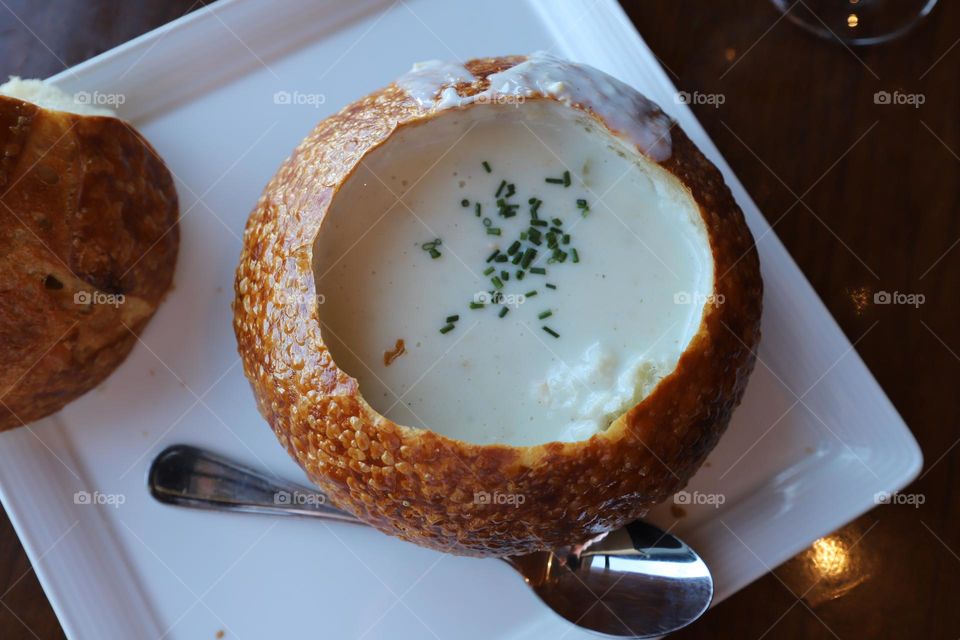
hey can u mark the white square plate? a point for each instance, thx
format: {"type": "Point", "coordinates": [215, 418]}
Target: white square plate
{"type": "Point", "coordinates": [814, 440]}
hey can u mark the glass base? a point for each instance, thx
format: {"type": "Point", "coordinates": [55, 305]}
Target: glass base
{"type": "Point", "coordinates": [858, 22]}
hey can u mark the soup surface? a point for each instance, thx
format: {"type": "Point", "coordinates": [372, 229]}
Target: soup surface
{"type": "Point", "coordinates": [510, 274]}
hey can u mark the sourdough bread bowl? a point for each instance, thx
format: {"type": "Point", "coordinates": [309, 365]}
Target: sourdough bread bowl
{"type": "Point", "coordinates": [498, 307]}
{"type": "Point", "coordinates": [88, 245]}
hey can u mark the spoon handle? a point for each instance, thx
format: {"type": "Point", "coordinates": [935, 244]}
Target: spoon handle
{"type": "Point", "coordinates": [187, 476]}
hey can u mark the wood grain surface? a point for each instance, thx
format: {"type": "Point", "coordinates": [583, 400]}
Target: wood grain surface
{"type": "Point", "coordinates": [865, 196]}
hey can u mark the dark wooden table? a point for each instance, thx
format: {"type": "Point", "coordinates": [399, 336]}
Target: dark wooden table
{"type": "Point", "coordinates": [865, 197]}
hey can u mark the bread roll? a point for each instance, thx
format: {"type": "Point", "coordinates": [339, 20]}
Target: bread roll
{"type": "Point", "coordinates": [88, 245]}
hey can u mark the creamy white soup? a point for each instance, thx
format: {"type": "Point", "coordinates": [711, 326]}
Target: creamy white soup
{"type": "Point", "coordinates": [504, 274]}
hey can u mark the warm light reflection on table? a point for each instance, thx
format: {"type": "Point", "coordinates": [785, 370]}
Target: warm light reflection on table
{"type": "Point", "coordinates": [830, 568]}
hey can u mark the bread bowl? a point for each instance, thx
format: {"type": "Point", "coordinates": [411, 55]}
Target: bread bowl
{"type": "Point", "coordinates": [373, 331]}
{"type": "Point", "coordinates": [88, 245]}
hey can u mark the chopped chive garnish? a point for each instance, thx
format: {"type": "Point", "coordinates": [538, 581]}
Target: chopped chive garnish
{"type": "Point", "coordinates": [522, 252]}
{"type": "Point", "coordinates": [431, 248]}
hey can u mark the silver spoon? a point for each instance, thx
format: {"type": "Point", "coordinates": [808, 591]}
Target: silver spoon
{"type": "Point", "coordinates": [636, 582]}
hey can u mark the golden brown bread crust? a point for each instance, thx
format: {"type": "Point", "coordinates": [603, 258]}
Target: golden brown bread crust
{"type": "Point", "coordinates": [87, 210]}
{"type": "Point", "coordinates": [420, 485]}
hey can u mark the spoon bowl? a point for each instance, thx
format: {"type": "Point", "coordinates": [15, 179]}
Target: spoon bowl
{"type": "Point", "coordinates": [635, 582]}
